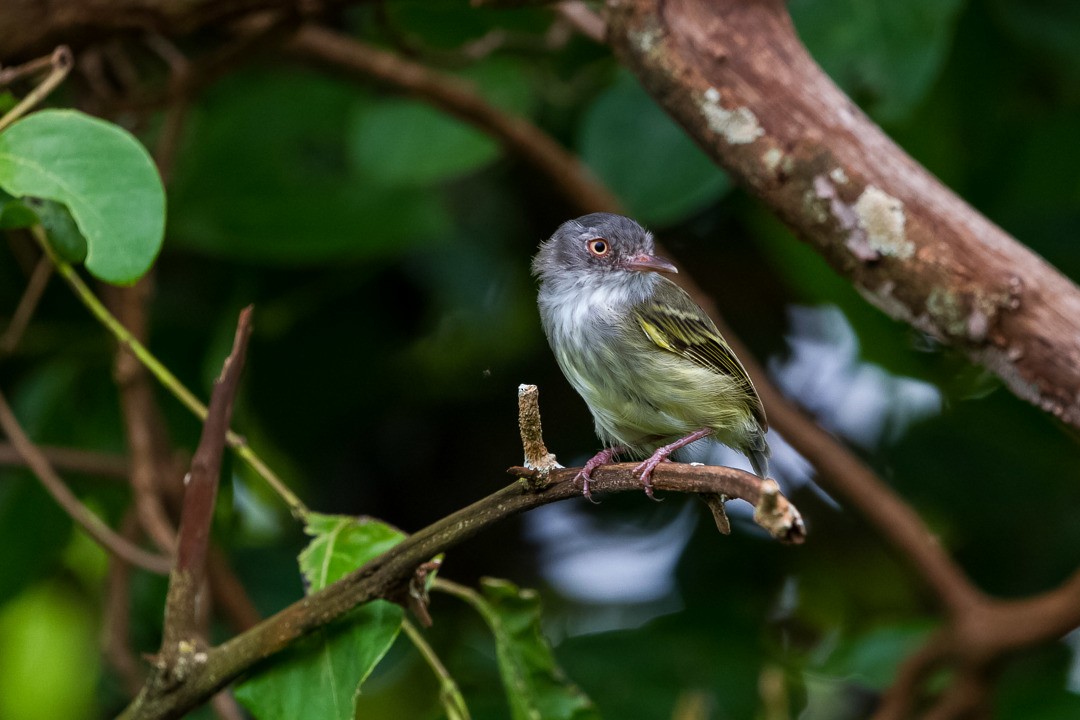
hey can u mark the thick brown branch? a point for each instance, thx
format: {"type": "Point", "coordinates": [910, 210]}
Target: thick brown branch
{"type": "Point", "coordinates": [385, 575]}
{"type": "Point", "coordinates": [735, 75]}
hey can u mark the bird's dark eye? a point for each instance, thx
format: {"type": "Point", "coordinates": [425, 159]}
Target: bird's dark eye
{"type": "Point", "coordinates": [599, 247]}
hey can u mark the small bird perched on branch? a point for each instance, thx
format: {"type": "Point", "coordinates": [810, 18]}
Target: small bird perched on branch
{"type": "Point", "coordinates": [652, 367]}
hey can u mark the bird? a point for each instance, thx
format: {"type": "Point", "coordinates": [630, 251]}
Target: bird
{"type": "Point", "coordinates": [652, 367]}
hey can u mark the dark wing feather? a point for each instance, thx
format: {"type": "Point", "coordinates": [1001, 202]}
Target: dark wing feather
{"type": "Point", "coordinates": [676, 324]}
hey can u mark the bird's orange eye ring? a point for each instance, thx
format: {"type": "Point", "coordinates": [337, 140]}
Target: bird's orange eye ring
{"type": "Point", "coordinates": [599, 247]}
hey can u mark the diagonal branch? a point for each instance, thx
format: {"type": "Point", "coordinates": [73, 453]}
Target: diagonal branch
{"type": "Point", "coordinates": [458, 97]}
{"type": "Point", "coordinates": [88, 521]}
{"type": "Point", "coordinates": [384, 576]}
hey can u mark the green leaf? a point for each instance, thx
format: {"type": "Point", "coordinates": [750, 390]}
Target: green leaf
{"type": "Point", "coordinates": [874, 657]}
{"type": "Point", "coordinates": [104, 177]}
{"type": "Point", "coordinates": [409, 143]}
{"type": "Point", "coordinates": [536, 687]}
{"type": "Point", "coordinates": [61, 229]}
{"type": "Point", "coordinates": [884, 54]}
{"type": "Point", "coordinates": [341, 544]}
{"type": "Point", "coordinates": [648, 160]}
{"type": "Point", "coordinates": [319, 677]}
{"type": "Point", "coordinates": [14, 213]}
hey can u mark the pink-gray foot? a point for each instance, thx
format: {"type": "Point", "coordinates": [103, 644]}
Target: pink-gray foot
{"type": "Point", "coordinates": [644, 470]}
{"type": "Point", "coordinates": [585, 475]}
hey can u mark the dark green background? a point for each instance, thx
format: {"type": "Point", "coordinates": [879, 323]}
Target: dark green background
{"type": "Point", "coordinates": [386, 249]}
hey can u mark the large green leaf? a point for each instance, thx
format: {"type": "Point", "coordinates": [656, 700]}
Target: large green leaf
{"type": "Point", "coordinates": [648, 160]}
{"type": "Point", "coordinates": [884, 54]}
{"type": "Point", "coordinates": [536, 687]}
{"type": "Point", "coordinates": [104, 177]}
{"type": "Point", "coordinates": [269, 178]}
{"type": "Point", "coordinates": [319, 677]}
{"type": "Point", "coordinates": [412, 144]}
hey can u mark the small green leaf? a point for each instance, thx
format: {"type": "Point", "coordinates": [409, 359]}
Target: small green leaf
{"type": "Point", "coordinates": [536, 686]}
{"type": "Point", "coordinates": [341, 544]}
{"type": "Point", "coordinates": [319, 677]}
{"type": "Point", "coordinates": [104, 177]}
{"type": "Point", "coordinates": [648, 160]}
{"type": "Point", "coordinates": [61, 229]}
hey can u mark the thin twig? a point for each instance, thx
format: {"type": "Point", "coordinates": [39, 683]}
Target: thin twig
{"type": "Point", "coordinates": [449, 692]}
{"type": "Point", "coordinates": [91, 523]}
{"type": "Point", "coordinates": [226, 707]}
{"type": "Point", "coordinates": [116, 627]}
{"type": "Point", "coordinates": [71, 459]}
{"type": "Point", "coordinates": [10, 74]}
{"type": "Point", "coordinates": [187, 578]}
{"type": "Point", "coordinates": [144, 424]}
{"type": "Point", "coordinates": [20, 319]}
{"type": "Point", "coordinates": [537, 456]}
{"type": "Point", "coordinates": [584, 19]}
{"type": "Point", "coordinates": [61, 62]}
{"type": "Point", "coordinates": [163, 375]}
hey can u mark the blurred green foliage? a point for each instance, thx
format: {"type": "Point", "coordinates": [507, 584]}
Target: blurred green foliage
{"type": "Point", "coordinates": [386, 249]}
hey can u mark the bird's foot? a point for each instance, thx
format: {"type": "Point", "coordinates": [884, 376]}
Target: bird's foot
{"type": "Point", "coordinates": [585, 474]}
{"type": "Point", "coordinates": [644, 473]}
{"type": "Point", "coordinates": [645, 469]}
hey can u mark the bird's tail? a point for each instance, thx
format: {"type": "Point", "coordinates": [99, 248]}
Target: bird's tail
{"type": "Point", "coordinates": [758, 454]}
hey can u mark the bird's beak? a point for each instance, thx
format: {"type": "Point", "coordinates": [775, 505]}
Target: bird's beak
{"type": "Point", "coordinates": [645, 262]}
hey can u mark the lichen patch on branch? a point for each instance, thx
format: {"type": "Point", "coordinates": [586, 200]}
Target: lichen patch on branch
{"type": "Point", "coordinates": [882, 217]}
{"type": "Point", "coordinates": [739, 126]}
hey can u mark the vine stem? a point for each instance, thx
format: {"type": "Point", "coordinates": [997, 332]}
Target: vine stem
{"type": "Point", "coordinates": [163, 374]}
{"type": "Point", "coordinates": [61, 62]}
{"type": "Point", "coordinates": [449, 692]}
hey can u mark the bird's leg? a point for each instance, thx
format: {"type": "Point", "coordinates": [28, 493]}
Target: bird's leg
{"type": "Point", "coordinates": [645, 469]}
{"type": "Point", "coordinates": [601, 458]}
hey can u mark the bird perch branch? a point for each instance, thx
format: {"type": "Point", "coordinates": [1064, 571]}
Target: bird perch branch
{"type": "Point", "coordinates": [384, 576]}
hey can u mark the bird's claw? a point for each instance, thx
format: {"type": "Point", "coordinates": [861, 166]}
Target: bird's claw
{"type": "Point", "coordinates": [644, 472]}
{"type": "Point", "coordinates": [585, 476]}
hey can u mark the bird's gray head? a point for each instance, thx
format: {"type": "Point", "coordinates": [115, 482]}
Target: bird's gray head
{"type": "Point", "coordinates": [598, 248]}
